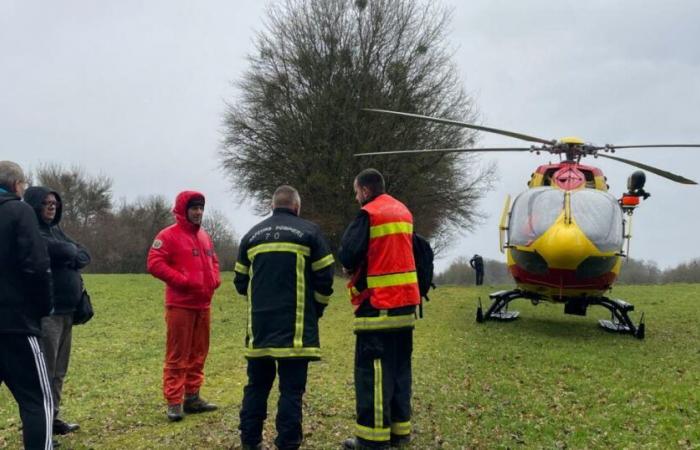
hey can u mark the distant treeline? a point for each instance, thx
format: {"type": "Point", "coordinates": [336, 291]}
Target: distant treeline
{"type": "Point", "coordinates": [119, 236]}
{"type": "Point", "coordinates": [633, 272]}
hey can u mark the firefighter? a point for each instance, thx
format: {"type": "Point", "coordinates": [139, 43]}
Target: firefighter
{"type": "Point", "coordinates": [285, 268]}
{"type": "Point", "coordinates": [377, 251]}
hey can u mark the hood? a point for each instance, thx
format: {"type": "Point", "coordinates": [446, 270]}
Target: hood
{"type": "Point", "coordinates": [180, 209]}
{"type": "Point", "coordinates": [35, 195]}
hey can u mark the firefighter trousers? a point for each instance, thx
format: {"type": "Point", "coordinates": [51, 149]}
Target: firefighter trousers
{"type": "Point", "coordinates": [292, 385]}
{"type": "Point", "coordinates": [383, 387]}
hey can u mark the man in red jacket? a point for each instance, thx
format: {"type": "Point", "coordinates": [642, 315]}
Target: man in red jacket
{"type": "Point", "coordinates": [182, 255]}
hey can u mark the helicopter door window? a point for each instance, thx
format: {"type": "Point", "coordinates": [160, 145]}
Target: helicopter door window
{"type": "Point", "coordinates": [599, 216]}
{"type": "Point", "coordinates": [533, 212]}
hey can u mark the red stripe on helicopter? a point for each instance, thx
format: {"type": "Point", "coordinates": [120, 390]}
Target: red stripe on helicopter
{"type": "Point", "coordinates": [562, 278]}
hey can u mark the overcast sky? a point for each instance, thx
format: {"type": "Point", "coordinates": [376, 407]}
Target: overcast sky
{"type": "Point", "coordinates": [135, 90]}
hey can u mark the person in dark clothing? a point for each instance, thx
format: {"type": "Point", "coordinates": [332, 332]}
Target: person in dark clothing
{"type": "Point", "coordinates": [377, 251]}
{"type": "Point", "coordinates": [477, 263]}
{"type": "Point", "coordinates": [67, 258]}
{"type": "Point", "coordinates": [285, 269]}
{"type": "Point", "coordinates": [25, 297]}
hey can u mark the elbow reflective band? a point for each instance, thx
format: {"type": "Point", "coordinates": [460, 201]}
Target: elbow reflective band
{"type": "Point", "coordinates": [401, 428]}
{"type": "Point", "coordinates": [394, 279]}
{"type": "Point", "coordinates": [279, 247]}
{"type": "Point", "coordinates": [390, 228]}
{"type": "Point", "coordinates": [384, 322]}
{"type": "Point", "coordinates": [304, 352]}
{"type": "Point", "coordinates": [242, 269]}
{"type": "Point", "coordinates": [322, 263]}
{"type": "Point", "coordinates": [321, 298]}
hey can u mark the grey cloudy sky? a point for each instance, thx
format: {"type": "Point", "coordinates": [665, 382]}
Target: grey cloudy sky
{"type": "Point", "coordinates": [135, 90]}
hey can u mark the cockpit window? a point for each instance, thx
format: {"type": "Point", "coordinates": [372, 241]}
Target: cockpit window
{"type": "Point", "coordinates": [599, 216]}
{"type": "Point", "coordinates": [533, 212]}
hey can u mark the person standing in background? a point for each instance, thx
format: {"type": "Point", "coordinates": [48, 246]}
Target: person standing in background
{"type": "Point", "coordinates": [182, 255]}
{"type": "Point", "coordinates": [25, 297]}
{"type": "Point", "coordinates": [67, 259]}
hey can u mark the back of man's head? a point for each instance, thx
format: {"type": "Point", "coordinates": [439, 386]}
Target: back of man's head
{"type": "Point", "coordinates": [10, 173]}
{"type": "Point", "coordinates": [286, 197]}
{"type": "Point", "coordinates": [371, 179]}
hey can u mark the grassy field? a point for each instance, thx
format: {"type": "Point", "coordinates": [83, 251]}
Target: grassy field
{"type": "Point", "coordinates": [545, 381]}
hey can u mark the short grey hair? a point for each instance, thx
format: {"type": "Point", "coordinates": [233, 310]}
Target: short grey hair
{"type": "Point", "coordinates": [10, 173]}
{"type": "Point", "coordinates": [286, 197]}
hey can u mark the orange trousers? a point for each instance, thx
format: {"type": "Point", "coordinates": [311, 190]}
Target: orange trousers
{"type": "Point", "coordinates": [186, 351]}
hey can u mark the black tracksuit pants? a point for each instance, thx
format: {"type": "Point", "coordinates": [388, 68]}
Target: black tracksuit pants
{"type": "Point", "coordinates": [23, 370]}
{"type": "Point", "coordinates": [383, 387]}
{"type": "Point", "coordinates": [261, 376]}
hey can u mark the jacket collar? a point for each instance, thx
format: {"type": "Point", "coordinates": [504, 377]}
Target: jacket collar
{"type": "Point", "coordinates": [279, 211]}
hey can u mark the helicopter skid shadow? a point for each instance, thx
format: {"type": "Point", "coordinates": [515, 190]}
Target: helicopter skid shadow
{"type": "Point", "coordinates": [585, 328]}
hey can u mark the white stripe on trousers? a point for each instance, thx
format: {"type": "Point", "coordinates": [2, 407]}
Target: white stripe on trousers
{"type": "Point", "coordinates": [45, 389]}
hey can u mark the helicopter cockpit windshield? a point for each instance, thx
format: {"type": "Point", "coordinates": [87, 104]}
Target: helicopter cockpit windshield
{"type": "Point", "coordinates": [533, 212]}
{"type": "Point", "coordinates": [597, 214]}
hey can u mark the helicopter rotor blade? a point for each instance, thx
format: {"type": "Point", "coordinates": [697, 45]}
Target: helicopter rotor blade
{"type": "Point", "coordinates": [615, 147]}
{"type": "Point", "coordinates": [450, 150]}
{"type": "Point", "coordinates": [512, 134]}
{"type": "Point", "coordinates": [659, 172]}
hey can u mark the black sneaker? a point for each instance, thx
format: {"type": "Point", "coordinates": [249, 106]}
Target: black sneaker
{"type": "Point", "coordinates": [175, 413]}
{"type": "Point", "coordinates": [61, 427]}
{"type": "Point", "coordinates": [195, 404]}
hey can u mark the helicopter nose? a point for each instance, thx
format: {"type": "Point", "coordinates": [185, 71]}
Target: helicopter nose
{"type": "Point", "coordinates": [564, 245]}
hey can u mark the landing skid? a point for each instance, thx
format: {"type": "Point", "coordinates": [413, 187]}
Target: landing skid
{"type": "Point", "coordinates": [620, 321]}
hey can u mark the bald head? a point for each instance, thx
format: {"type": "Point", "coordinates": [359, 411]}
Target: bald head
{"type": "Point", "coordinates": [286, 197]}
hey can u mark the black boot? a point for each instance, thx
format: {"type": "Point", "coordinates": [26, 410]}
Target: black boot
{"type": "Point", "coordinates": [195, 404]}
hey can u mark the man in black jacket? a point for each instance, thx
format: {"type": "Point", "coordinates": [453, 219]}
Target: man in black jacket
{"type": "Point", "coordinates": [67, 258]}
{"type": "Point", "coordinates": [25, 297]}
{"type": "Point", "coordinates": [285, 268]}
{"type": "Point", "coordinates": [477, 263]}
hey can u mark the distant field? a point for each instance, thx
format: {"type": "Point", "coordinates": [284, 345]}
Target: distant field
{"type": "Point", "coordinates": [545, 381]}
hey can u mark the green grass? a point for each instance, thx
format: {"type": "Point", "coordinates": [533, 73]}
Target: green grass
{"type": "Point", "coordinates": [547, 380]}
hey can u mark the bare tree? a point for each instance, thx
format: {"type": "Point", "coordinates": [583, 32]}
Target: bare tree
{"type": "Point", "coordinates": [298, 120]}
{"type": "Point", "coordinates": [223, 236]}
{"type": "Point", "coordinates": [84, 197]}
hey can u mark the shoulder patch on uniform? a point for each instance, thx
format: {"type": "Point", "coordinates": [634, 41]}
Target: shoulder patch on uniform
{"type": "Point", "coordinates": [157, 244]}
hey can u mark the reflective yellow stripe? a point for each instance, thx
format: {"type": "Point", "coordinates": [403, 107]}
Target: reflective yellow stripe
{"type": "Point", "coordinates": [322, 263]}
{"type": "Point", "coordinates": [372, 434]}
{"type": "Point", "coordinates": [395, 279]}
{"type": "Point", "coordinates": [390, 228]}
{"type": "Point", "coordinates": [250, 309]}
{"type": "Point", "coordinates": [242, 269]}
{"type": "Point", "coordinates": [378, 397]}
{"type": "Point", "coordinates": [301, 291]}
{"type": "Point", "coordinates": [321, 298]}
{"type": "Point", "coordinates": [385, 322]}
{"type": "Point", "coordinates": [279, 247]}
{"type": "Point", "coordinates": [401, 428]}
{"type": "Point", "coordinates": [303, 352]}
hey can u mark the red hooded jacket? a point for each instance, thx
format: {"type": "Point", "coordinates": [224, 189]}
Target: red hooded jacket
{"type": "Point", "coordinates": [183, 256]}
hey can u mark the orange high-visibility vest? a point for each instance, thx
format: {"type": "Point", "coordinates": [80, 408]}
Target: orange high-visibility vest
{"type": "Point", "coordinates": [391, 269]}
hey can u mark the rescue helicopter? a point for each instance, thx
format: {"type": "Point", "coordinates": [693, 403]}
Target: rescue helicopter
{"type": "Point", "coordinates": [565, 236]}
